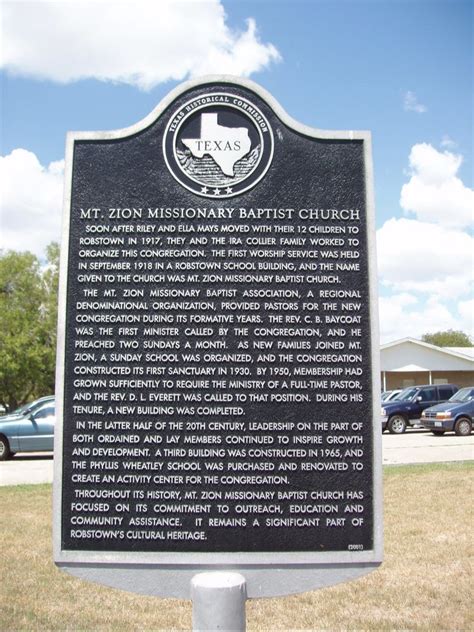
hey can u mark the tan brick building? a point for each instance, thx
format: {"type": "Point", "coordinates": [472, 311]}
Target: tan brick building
{"type": "Point", "coordinates": [409, 362]}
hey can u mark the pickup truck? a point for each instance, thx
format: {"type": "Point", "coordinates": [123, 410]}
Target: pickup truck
{"type": "Point", "coordinates": [412, 401]}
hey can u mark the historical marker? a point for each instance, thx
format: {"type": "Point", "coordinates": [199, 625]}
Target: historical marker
{"type": "Point", "coordinates": [218, 373]}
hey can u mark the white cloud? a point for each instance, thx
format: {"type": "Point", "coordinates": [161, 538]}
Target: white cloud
{"type": "Point", "coordinates": [426, 264]}
{"type": "Point", "coordinates": [466, 316]}
{"type": "Point", "coordinates": [31, 202]}
{"type": "Point", "coordinates": [448, 142]}
{"type": "Point", "coordinates": [403, 315]}
{"type": "Point", "coordinates": [143, 43]}
{"type": "Point", "coordinates": [416, 256]}
{"type": "Point", "coordinates": [411, 103]}
{"type": "Point", "coordinates": [434, 192]}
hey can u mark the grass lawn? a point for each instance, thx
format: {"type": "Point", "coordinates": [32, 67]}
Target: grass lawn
{"type": "Point", "coordinates": [425, 583]}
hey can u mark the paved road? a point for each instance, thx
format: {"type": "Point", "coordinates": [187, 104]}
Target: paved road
{"type": "Point", "coordinates": [419, 446]}
{"type": "Point", "coordinates": [414, 446]}
{"type": "Point", "coordinates": [25, 468]}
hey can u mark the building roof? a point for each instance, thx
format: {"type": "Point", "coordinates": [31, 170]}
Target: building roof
{"type": "Point", "coordinates": [410, 355]}
{"type": "Point", "coordinates": [459, 351]}
{"type": "Point", "coordinates": [469, 351]}
{"type": "Point", "coordinates": [411, 368]}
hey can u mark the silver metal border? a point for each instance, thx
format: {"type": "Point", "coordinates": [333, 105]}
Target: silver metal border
{"type": "Point", "coordinates": [267, 574]}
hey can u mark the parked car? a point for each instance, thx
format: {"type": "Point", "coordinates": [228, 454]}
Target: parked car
{"type": "Point", "coordinates": [29, 431]}
{"type": "Point", "coordinates": [410, 403]}
{"type": "Point", "coordinates": [31, 406]}
{"type": "Point", "coordinates": [387, 396]}
{"type": "Point", "coordinates": [455, 414]}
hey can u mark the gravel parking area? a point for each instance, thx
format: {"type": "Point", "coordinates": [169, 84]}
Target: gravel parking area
{"type": "Point", "coordinates": [419, 446]}
{"type": "Point", "coordinates": [25, 469]}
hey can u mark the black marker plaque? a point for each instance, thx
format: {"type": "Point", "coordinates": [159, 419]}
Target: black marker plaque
{"type": "Point", "coordinates": [217, 349]}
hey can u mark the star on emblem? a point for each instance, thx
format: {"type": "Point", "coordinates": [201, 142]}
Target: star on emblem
{"type": "Point", "coordinates": [228, 190]}
{"type": "Point", "coordinates": [217, 191]}
{"type": "Point", "coordinates": [203, 189]}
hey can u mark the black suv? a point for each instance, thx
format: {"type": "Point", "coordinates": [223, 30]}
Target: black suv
{"type": "Point", "coordinates": [410, 403]}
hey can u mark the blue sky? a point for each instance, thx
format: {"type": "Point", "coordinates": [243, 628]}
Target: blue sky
{"type": "Point", "coordinates": [402, 69]}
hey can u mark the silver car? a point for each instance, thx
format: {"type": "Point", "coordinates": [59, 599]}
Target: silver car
{"type": "Point", "coordinates": [28, 429]}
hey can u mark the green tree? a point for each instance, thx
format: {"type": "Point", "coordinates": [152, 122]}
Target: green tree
{"type": "Point", "coordinates": [48, 319]}
{"type": "Point", "coordinates": [28, 314]}
{"type": "Point", "coordinates": [449, 338]}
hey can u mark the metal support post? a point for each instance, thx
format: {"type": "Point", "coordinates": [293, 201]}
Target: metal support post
{"type": "Point", "coordinates": [218, 602]}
